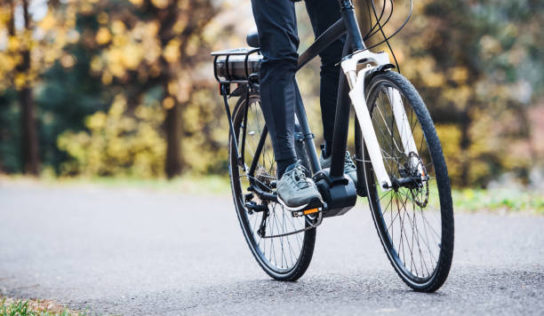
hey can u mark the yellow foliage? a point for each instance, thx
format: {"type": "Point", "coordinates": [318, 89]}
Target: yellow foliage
{"type": "Point", "coordinates": [48, 22]}
{"type": "Point", "coordinates": [117, 143]}
{"type": "Point", "coordinates": [102, 18]}
{"type": "Point", "coordinates": [137, 2]}
{"type": "Point", "coordinates": [450, 136]}
{"type": "Point", "coordinates": [161, 4]}
{"type": "Point", "coordinates": [103, 36]}
{"type": "Point", "coordinates": [45, 39]}
{"type": "Point", "coordinates": [19, 80]}
{"type": "Point", "coordinates": [459, 74]}
{"type": "Point", "coordinates": [118, 27]}
{"type": "Point", "coordinates": [133, 55]}
{"type": "Point", "coordinates": [171, 51]}
{"type": "Point", "coordinates": [107, 78]}
{"type": "Point", "coordinates": [67, 61]}
{"type": "Point", "coordinates": [168, 103]}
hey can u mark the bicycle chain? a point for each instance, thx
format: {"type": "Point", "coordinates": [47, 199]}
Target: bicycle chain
{"type": "Point", "coordinates": [312, 226]}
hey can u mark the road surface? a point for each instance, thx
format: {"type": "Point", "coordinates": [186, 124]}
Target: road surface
{"type": "Point", "coordinates": [137, 252]}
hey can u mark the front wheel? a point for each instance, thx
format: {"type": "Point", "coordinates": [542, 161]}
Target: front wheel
{"type": "Point", "coordinates": [415, 221]}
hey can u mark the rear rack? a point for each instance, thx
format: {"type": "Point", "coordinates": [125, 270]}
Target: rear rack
{"type": "Point", "coordinates": [246, 77]}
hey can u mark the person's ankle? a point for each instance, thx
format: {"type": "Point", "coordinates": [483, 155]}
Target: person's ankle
{"type": "Point", "coordinates": [324, 151]}
{"type": "Point", "coordinates": [283, 164]}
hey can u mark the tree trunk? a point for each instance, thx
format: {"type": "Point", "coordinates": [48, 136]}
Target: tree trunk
{"type": "Point", "coordinates": [29, 131]}
{"type": "Point", "coordinates": [464, 145]}
{"type": "Point", "coordinates": [174, 129]}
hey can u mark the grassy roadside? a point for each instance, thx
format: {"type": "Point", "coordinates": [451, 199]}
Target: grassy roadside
{"type": "Point", "coordinates": [466, 200]}
{"type": "Point", "coordinates": [189, 184]}
{"type": "Point", "coordinates": [499, 200]}
{"type": "Point", "coordinates": [33, 307]}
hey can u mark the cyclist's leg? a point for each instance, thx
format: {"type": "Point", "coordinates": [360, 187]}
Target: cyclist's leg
{"type": "Point", "coordinates": [323, 13]}
{"type": "Point", "coordinates": [277, 26]}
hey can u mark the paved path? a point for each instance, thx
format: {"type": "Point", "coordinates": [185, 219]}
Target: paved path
{"type": "Point", "coordinates": [133, 252]}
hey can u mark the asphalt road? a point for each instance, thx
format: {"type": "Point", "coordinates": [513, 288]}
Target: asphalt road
{"type": "Point", "coordinates": [135, 252]}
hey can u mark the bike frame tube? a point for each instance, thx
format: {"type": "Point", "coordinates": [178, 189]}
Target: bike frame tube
{"type": "Point", "coordinates": [328, 37]}
{"type": "Point", "coordinates": [341, 125]}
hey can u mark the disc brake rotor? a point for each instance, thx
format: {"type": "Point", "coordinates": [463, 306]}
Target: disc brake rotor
{"type": "Point", "coordinates": [420, 195]}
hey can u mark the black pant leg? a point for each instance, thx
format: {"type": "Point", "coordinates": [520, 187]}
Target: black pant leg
{"type": "Point", "coordinates": [277, 26]}
{"type": "Point", "coordinates": [324, 13]}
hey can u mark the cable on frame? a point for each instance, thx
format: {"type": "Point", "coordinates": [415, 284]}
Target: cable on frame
{"type": "Point", "coordinates": [373, 30]}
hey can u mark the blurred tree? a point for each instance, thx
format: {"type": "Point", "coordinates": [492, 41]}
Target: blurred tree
{"type": "Point", "coordinates": [118, 144]}
{"type": "Point", "coordinates": [148, 44]}
{"type": "Point", "coordinates": [23, 80]}
{"type": "Point", "coordinates": [475, 64]}
{"type": "Point", "coordinates": [30, 48]}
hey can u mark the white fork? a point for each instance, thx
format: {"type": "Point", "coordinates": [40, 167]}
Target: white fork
{"type": "Point", "coordinates": [356, 82]}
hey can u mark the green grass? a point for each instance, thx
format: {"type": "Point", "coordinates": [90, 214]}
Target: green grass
{"type": "Point", "coordinates": [13, 307]}
{"type": "Point", "coordinates": [509, 200]}
{"type": "Point", "coordinates": [187, 184]}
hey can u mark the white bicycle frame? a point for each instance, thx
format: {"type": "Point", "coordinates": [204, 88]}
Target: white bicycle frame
{"type": "Point", "coordinates": [356, 81]}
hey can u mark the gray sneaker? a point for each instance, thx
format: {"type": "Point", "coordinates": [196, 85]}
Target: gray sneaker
{"type": "Point", "coordinates": [296, 191]}
{"type": "Point", "coordinates": [349, 166]}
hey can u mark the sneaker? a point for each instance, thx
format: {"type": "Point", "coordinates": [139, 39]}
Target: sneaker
{"type": "Point", "coordinates": [296, 191]}
{"type": "Point", "coordinates": [349, 166]}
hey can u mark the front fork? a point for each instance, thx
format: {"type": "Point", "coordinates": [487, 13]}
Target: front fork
{"type": "Point", "coordinates": [356, 81]}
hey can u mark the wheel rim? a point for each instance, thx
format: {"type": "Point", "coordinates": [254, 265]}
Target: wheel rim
{"type": "Point", "coordinates": [409, 219]}
{"type": "Point", "coordinates": [278, 255]}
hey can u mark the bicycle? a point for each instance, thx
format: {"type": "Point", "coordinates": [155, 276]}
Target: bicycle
{"type": "Point", "coordinates": [400, 165]}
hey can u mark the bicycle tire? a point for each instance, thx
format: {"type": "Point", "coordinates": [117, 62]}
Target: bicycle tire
{"type": "Point", "coordinates": [307, 242]}
{"type": "Point", "coordinates": [412, 101]}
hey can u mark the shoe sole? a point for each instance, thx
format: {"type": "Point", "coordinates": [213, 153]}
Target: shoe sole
{"type": "Point", "coordinates": [315, 203]}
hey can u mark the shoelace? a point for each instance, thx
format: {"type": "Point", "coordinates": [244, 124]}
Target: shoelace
{"type": "Point", "coordinates": [298, 174]}
{"type": "Point", "coordinates": [348, 162]}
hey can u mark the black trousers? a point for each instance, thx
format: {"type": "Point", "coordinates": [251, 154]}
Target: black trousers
{"type": "Point", "coordinates": [278, 36]}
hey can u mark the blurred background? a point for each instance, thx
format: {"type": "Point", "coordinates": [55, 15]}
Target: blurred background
{"type": "Point", "coordinates": [125, 89]}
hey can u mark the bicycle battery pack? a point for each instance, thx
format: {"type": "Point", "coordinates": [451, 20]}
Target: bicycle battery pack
{"type": "Point", "coordinates": [236, 65]}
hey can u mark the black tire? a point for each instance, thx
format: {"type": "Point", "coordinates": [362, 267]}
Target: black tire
{"type": "Point", "coordinates": [303, 242]}
{"type": "Point", "coordinates": [438, 206]}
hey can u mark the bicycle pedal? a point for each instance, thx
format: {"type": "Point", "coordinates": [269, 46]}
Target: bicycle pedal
{"type": "Point", "coordinates": [305, 212]}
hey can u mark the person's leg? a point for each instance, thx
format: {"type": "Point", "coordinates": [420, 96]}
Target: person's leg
{"type": "Point", "coordinates": [323, 13]}
{"type": "Point", "coordinates": [277, 27]}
